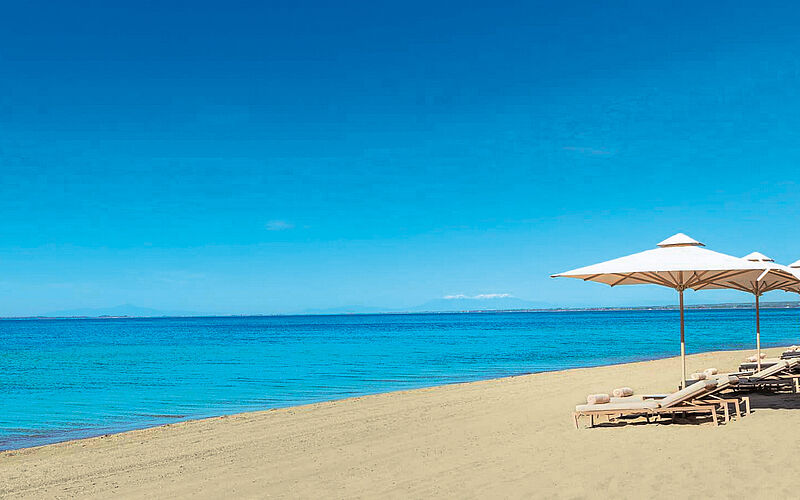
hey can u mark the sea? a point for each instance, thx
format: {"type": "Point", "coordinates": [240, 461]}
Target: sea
{"type": "Point", "coordinates": [63, 379]}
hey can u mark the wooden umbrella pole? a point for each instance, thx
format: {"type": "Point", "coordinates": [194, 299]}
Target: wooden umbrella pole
{"type": "Point", "coordinates": [683, 347]}
{"type": "Point", "coordinates": [758, 333]}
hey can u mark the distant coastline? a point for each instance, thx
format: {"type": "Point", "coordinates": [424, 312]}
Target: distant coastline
{"type": "Point", "coordinates": [721, 306]}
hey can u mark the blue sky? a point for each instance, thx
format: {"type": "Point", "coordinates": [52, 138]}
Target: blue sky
{"type": "Point", "coordinates": [267, 157]}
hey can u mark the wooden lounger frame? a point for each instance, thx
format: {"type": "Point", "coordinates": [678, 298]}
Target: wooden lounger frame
{"type": "Point", "coordinates": [715, 397]}
{"type": "Point", "coordinates": [690, 407]}
{"type": "Point", "coordinates": [781, 379]}
{"type": "Point", "coordinates": [736, 402]}
{"type": "Point", "coordinates": [778, 379]}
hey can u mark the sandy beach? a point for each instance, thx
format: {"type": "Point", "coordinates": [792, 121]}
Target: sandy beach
{"type": "Point", "coordinates": [510, 437]}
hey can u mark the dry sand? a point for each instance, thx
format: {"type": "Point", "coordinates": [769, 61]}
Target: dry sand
{"type": "Point", "coordinates": [510, 437]}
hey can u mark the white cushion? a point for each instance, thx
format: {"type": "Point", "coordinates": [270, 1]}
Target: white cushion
{"type": "Point", "coordinates": [688, 392]}
{"type": "Point", "coordinates": [621, 392]}
{"type": "Point", "coordinates": [594, 399]}
{"type": "Point", "coordinates": [632, 405]}
{"type": "Point", "coordinates": [772, 370]}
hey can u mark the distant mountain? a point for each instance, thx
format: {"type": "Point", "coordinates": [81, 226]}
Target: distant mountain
{"type": "Point", "coordinates": [122, 310]}
{"type": "Point", "coordinates": [456, 303]}
{"type": "Point", "coordinates": [347, 310]}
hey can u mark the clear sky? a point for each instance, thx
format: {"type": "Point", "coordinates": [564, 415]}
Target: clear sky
{"type": "Point", "coordinates": [264, 157]}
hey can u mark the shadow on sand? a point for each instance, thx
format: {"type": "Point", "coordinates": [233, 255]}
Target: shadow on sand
{"type": "Point", "coordinates": [694, 419]}
{"type": "Point", "coordinates": [774, 401]}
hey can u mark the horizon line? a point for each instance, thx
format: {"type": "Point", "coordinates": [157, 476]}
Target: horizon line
{"type": "Point", "coordinates": [664, 307]}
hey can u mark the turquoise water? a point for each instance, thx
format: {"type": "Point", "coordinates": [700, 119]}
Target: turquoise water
{"type": "Point", "coordinates": [63, 379]}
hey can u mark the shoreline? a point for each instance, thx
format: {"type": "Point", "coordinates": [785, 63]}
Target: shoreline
{"type": "Point", "coordinates": [125, 428]}
{"type": "Point", "coordinates": [510, 436]}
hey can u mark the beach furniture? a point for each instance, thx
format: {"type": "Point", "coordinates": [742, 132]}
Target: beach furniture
{"type": "Point", "coordinates": [777, 376]}
{"type": "Point", "coordinates": [680, 263]}
{"type": "Point", "coordinates": [752, 366]}
{"type": "Point", "coordinates": [712, 395]}
{"type": "Point", "coordinates": [776, 366]}
{"type": "Point", "coordinates": [774, 277]}
{"type": "Point", "coordinates": [725, 382]}
{"type": "Point", "coordinates": [792, 352]}
{"type": "Point", "coordinates": [790, 356]}
{"type": "Point", "coordinates": [682, 401]}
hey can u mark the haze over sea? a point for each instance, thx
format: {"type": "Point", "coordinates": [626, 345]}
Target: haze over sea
{"type": "Point", "coordinates": [64, 379]}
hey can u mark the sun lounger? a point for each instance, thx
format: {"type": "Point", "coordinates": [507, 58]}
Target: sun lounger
{"type": "Point", "coordinates": [725, 382]}
{"type": "Point", "coordinates": [639, 397]}
{"type": "Point", "coordinates": [769, 362]}
{"type": "Point", "coordinates": [753, 366]}
{"type": "Point", "coordinates": [791, 352]}
{"type": "Point", "coordinates": [711, 395]}
{"type": "Point", "coordinates": [780, 367]}
{"type": "Point", "coordinates": [777, 376]}
{"type": "Point", "coordinates": [681, 401]}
